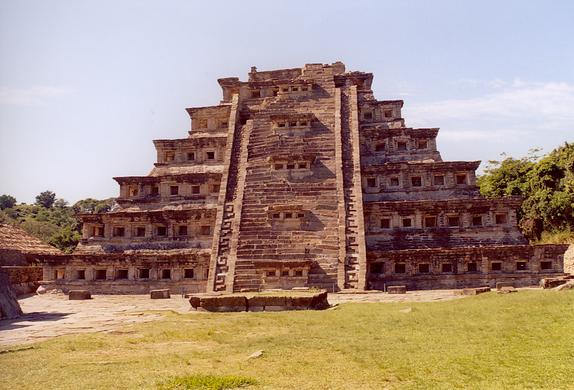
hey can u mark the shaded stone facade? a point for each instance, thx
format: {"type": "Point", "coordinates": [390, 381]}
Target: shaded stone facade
{"type": "Point", "coordinates": [300, 177]}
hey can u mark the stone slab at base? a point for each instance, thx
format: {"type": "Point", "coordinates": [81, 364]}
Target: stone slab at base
{"type": "Point", "coordinates": [160, 294]}
{"type": "Point", "coordinates": [397, 289]}
{"type": "Point", "coordinates": [506, 290]}
{"type": "Point", "coordinates": [474, 291]}
{"type": "Point", "coordinates": [79, 295]}
{"type": "Point", "coordinates": [501, 285]}
{"type": "Point", "coordinates": [256, 303]}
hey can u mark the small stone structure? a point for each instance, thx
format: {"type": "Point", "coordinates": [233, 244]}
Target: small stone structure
{"type": "Point", "coordinates": [302, 178]}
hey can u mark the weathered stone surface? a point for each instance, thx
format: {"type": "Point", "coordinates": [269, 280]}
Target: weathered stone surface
{"type": "Point", "coordinates": [501, 285]}
{"type": "Point", "coordinates": [566, 286]}
{"type": "Point", "coordinates": [9, 307]}
{"type": "Point", "coordinates": [506, 290]}
{"type": "Point", "coordinates": [224, 303]}
{"type": "Point", "coordinates": [552, 282]}
{"type": "Point", "coordinates": [160, 294]}
{"type": "Point", "coordinates": [474, 291]}
{"type": "Point", "coordinates": [569, 260]}
{"type": "Point", "coordinates": [397, 289]}
{"type": "Point", "coordinates": [255, 303]}
{"type": "Point", "coordinates": [319, 301]}
{"type": "Point", "coordinates": [195, 302]}
{"type": "Point", "coordinates": [267, 303]}
{"type": "Point", "coordinates": [79, 295]}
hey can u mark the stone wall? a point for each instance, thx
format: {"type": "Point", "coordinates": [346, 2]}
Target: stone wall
{"type": "Point", "coordinates": [23, 279]}
{"type": "Point", "coordinates": [129, 273]}
{"type": "Point", "coordinates": [523, 265]}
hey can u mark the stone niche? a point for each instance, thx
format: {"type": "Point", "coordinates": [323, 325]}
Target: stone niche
{"type": "Point", "coordinates": [295, 166]}
{"type": "Point", "coordinates": [292, 125]}
{"type": "Point", "coordinates": [287, 217]}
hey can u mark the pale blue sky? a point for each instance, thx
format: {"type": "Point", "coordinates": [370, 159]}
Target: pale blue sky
{"type": "Point", "coordinates": [86, 85]}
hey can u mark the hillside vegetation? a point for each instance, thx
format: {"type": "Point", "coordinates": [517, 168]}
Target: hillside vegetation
{"type": "Point", "coordinates": [51, 220]}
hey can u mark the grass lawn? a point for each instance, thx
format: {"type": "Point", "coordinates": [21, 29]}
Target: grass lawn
{"type": "Point", "coordinates": [491, 341]}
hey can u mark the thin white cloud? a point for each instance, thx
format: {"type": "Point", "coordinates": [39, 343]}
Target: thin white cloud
{"type": "Point", "coordinates": [553, 102]}
{"type": "Point", "coordinates": [508, 110]}
{"type": "Point", "coordinates": [464, 135]}
{"type": "Point", "coordinates": [30, 96]}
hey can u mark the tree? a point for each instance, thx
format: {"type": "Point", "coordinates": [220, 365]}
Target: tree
{"type": "Point", "coordinates": [60, 203]}
{"type": "Point", "coordinates": [7, 202]}
{"type": "Point", "coordinates": [46, 199]}
{"type": "Point", "coordinates": [65, 239]}
{"type": "Point", "coordinates": [546, 184]}
{"type": "Point", "coordinates": [92, 206]}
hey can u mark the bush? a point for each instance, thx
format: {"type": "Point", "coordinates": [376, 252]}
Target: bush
{"type": "Point", "coordinates": [7, 202]}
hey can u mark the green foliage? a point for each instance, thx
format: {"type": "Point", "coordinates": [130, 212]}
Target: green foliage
{"type": "Point", "coordinates": [208, 382]}
{"type": "Point", "coordinates": [547, 185]}
{"type": "Point", "coordinates": [55, 224]}
{"type": "Point", "coordinates": [46, 199]}
{"type": "Point", "coordinates": [7, 201]}
{"type": "Point", "coordinates": [89, 206]}
{"type": "Point", "coordinates": [66, 239]}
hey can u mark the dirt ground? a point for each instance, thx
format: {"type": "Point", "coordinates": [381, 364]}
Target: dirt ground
{"type": "Point", "coordinates": [52, 315]}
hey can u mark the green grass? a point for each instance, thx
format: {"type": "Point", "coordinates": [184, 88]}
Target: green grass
{"type": "Point", "coordinates": [491, 341]}
{"type": "Point", "coordinates": [207, 382]}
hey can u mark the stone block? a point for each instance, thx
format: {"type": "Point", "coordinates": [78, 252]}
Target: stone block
{"type": "Point", "coordinates": [298, 303]}
{"type": "Point", "coordinates": [265, 301]}
{"type": "Point", "coordinates": [319, 301]}
{"type": "Point", "coordinates": [552, 282]}
{"type": "Point", "coordinates": [160, 294]}
{"type": "Point", "coordinates": [79, 295]}
{"type": "Point", "coordinates": [474, 291]}
{"type": "Point", "coordinates": [500, 285]}
{"type": "Point", "coordinates": [506, 290]}
{"type": "Point", "coordinates": [397, 289]}
{"type": "Point", "coordinates": [194, 302]}
{"type": "Point", "coordinates": [566, 286]}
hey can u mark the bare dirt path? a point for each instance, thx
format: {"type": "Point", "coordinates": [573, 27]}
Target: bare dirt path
{"type": "Point", "coordinates": [52, 315]}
